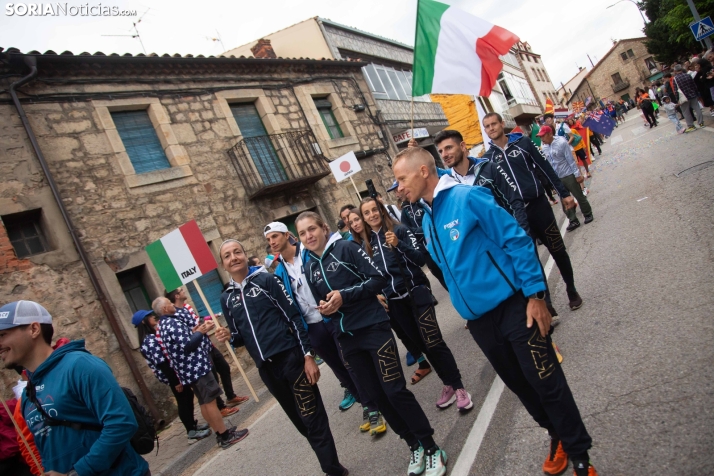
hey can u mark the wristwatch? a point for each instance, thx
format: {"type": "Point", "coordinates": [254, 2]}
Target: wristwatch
{"type": "Point", "coordinates": [540, 296]}
{"type": "Point", "coordinates": [310, 353]}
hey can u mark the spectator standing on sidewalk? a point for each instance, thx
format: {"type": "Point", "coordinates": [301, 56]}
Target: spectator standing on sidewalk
{"type": "Point", "coordinates": [73, 386]}
{"type": "Point", "coordinates": [684, 84]}
{"type": "Point", "coordinates": [671, 110]}
{"type": "Point", "coordinates": [220, 367]}
{"type": "Point", "coordinates": [145, 323]}
{"type": "Point", "coordinates": [557, 151]}
{"type": "Point", "coordinates": [186, 351]}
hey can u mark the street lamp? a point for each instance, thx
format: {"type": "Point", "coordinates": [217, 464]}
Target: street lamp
{"type": "Point", "coordinates": [635, 4]}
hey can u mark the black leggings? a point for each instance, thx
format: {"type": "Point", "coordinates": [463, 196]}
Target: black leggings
{"type": "Point", "coordinates": [424, 331]}
{"type": "Point", "coordinates": [184, 401]}
{"type": "Point", "coordinates": [222, 368]}
{"type": "Point", "coordinates": [648, 111]}
{"type": "Point", "coordinates": [543, 226]}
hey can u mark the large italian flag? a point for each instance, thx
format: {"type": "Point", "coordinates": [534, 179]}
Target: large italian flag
{"type": "Point", "coordinates": [181, 256]}
{"type": "Point", "coordinates": [455, 52]}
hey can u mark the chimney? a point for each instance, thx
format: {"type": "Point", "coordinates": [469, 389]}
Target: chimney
{"type": "Point", "coordinates": [262, 49]}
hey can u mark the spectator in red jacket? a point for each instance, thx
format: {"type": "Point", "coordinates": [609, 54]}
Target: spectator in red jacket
{"type": "Point", "coordinates": [11, 460]}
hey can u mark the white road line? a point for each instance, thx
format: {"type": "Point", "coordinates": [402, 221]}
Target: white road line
{"type": "Point", "coordinates": [469, 451]}
{"type": "Point", "coordinates": [615, 140]}
{"type": "Point", "coordinates": [710, 129]}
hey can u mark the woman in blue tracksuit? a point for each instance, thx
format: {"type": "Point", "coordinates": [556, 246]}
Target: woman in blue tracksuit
{"type": "Point", "coordinates": [345, 283]}
{"type": "Point", "coordinates": [396, 253]}
{"type": "Point", "coordinates": [359, 235]}
{"type": "Point", "coordinates": [260, 315]}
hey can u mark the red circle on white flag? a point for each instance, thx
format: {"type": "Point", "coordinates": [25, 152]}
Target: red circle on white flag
{"type": "Point", "coordinates": [345, 166]}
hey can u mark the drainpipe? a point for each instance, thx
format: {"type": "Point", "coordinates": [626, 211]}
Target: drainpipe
{"type": "Point", "coordinates": [31, 62]}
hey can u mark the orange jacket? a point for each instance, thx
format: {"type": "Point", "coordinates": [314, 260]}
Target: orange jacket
{"type": "Point", "coordinates": [17, 414]}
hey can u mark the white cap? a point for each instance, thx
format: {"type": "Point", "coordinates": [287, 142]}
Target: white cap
{"type": "Point", "coordinates": [275, 226]}
{"type": "Point", "coordinates": [20, 313]}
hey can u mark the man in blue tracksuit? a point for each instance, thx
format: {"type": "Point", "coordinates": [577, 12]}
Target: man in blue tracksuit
{"type": "Point", "coordinates": [480, 247]}
{"type": "Point", "coordinates": [69, 385]}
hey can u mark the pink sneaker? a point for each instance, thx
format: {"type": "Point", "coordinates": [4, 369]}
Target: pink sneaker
{"type": "Point", "coordinates": [448, 396]}
{"type": "Point", "coordinates": [463, 400]}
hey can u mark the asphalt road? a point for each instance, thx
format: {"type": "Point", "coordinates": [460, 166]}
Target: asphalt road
{"type": "Point", "coordinates": [638, 354]}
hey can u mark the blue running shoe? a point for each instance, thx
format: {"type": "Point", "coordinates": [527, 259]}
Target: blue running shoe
{"type": "Point", "coordinates": [347, 401]}
{"type": "Point", "coordinates": [410, 359]}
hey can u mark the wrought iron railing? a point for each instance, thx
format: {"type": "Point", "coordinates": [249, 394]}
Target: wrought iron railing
{"type": "Point", "coordinates": [271, 163]}
{"type": "Point", "coordinates": [620, 86]}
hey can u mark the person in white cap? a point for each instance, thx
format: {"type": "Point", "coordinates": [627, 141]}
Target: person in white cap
{"type": "Point", "coordinates": [91, 423]}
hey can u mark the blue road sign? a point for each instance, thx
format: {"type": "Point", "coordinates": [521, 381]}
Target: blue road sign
{"type": "Point", "coordinates": [702, 28]}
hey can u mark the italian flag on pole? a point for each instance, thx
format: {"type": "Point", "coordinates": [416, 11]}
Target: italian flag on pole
{"type": "Point", "coordinates": [181, 256]}
{"type": "Point", "coordinates": [455, 52]}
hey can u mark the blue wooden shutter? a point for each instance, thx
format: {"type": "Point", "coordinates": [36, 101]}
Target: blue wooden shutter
{"type": "Point", "coordinates": [212, 287]}
{"type": "Point", "coordinates": [258, 143]}
{"type": "Point", "coordinates": [140, 141]}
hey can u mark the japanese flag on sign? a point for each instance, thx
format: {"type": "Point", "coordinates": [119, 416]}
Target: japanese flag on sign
{"type": "Point", "coordinates": [345, 166]}
{"type": "Point", "coordinates": [181, 256]}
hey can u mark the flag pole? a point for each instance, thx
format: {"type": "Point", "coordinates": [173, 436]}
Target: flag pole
{"type": "Point", "coordinates": [412, 117]}
{"type": "Point", "coordinates": [22, 436]}
{"type": "Point", "coordinates": [228, 344]}
{"type": "Point", "coordinates": [359, 197]}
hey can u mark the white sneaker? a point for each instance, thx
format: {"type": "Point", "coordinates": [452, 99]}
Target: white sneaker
{"type": "Point", "coordinates": [436, 463]}
{"type": "Point", "coordinates": [586, 191]}
{"type": "Point", "coordinates": [416, 462]}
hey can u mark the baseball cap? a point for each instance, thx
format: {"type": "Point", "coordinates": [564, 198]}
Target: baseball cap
{"type": "Point", "coordinates": [20, 313]}
{"type": "Point", "coordinates": [544, 130]}
{"type": "Point", "coordinates": [139, 316]}
{"type": "Point", "coordinates": [275, 226]}
{"type": "Point", "coordinates": [394, 186]}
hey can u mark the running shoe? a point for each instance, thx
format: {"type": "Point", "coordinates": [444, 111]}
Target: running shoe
{"type": "Point", "coordinates": [701, 124]}
{"type": "Point", "coordinates": [410, 359]}
{"type": "Point", "coordinates": [435, 462]}
{"type": "Point", "coordinates": [376, 424]}
{"type": "Point", "coordinates": [318, 360]}
{"type": "Point", "coordinates": [576, 301]}
{"type": "Point", "coordinates": [448, 396]}
{"type": "Point", "coordinates": [583, 468]}
{"type": "Point", "coordinates": [202, 426]}
{"type": "Point", "coordinates": [347, 401]}
{"type": "Point", "coordinates": [589, 218]}
{"type": "Point", "coordinates": [364, 427]}
{"type": "Point", "coordinates": [228, 411]}
{"type": "Point", "coordinates": [573, 225]}
{"type": "Point", "coordinates": [235, 401]}
{"type": "Point", "coordinates": [557, 461]}
{"type": "Point", "coordinates": [233, 437]}
{"type": "Point", "coordinates": [690, 129]}
{"type": "Point", "coordinates": [416, 461]}
{"type": "Point", "coordinates": [463, 400]}
{"type": "Point", "coordinates": [586, 191]}
{"type": "Point", "coordinates": [198, 434]}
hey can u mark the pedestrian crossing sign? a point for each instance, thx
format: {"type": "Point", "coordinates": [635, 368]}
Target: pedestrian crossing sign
{"type": "Point", "coordinates": [702, 28]}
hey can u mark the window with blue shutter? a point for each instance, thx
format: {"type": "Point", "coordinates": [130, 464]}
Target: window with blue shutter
{"type": "Point", "coordinates": [140, 141]}
{"type": "Point", "coordinates": [258, 143]}
{"type": "Point", "coordinates": [212, 287]}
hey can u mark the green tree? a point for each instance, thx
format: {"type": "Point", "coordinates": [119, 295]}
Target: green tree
{"type": "Point", "coordinates": [668, 35]}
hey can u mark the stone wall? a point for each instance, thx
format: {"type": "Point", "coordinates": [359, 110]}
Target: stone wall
{"type": "Point", "coordinates": [633, 70]}
{"type": "Point", "coordinates": [117, 213]}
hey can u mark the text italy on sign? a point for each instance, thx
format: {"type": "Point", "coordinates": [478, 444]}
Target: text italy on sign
{"type": "Point", "coordinates": [181, 256]}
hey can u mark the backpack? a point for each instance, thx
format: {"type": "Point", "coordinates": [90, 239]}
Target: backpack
{"type": "Point", "coordinates": [576, 138]}
{"type": "Point", "coordinates": [142, 441]}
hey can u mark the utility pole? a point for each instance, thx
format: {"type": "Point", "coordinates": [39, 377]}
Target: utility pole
{"type": "Point", "coordinates": [695, 13]}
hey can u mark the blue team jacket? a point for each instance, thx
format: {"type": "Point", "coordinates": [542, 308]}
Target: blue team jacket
{"type": "Point", "coordinates": [485, 256]}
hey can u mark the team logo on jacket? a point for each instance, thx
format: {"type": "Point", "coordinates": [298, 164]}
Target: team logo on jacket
{"type": "Point", "coordinates": [451, 224]}
{"type": "Point", "coordinates": [332, 267]}
{"type": "Point", "coordinates": [454, 234]}
{"type": "Point", "coordinates": [514, 153]}
{"type": "Point", "coordinates": [254, 292]}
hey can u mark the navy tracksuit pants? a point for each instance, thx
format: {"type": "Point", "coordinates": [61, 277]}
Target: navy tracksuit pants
{"type": "Point", "coordinates": [373, 356]}
{"type": "Point", "coordinates": [527, 364]}
{"type": "Point", "coordinates": [323, 337]}
{"type": "Point", "coordinates": [284, 375]}
{"type": "Point", "coordinates": [417, 320]}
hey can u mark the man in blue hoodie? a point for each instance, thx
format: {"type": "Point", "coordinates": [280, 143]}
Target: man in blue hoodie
{"type": "Point", "coordinates": [70, 385]}
{"type": "Point", "coordinates": [496, 284]}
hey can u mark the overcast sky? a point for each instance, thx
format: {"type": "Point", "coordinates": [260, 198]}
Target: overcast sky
{"type": "Point", "coordinates": [562, 32]}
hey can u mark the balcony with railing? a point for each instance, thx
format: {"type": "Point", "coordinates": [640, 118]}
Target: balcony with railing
{"type": "Point", "coordinates": [621, 86]}
{"type": "Point", "coordinates": [272, 163]}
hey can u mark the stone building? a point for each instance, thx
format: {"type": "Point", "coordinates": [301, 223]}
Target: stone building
{"type": "Point", "coordinates": [137, 146]}
{"type": "Point", "coordinates": [536, 74]}
{"type": "Point", "coordinates": [565, 91]}
{"type": "Point", "coordinates": [626, 66]}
